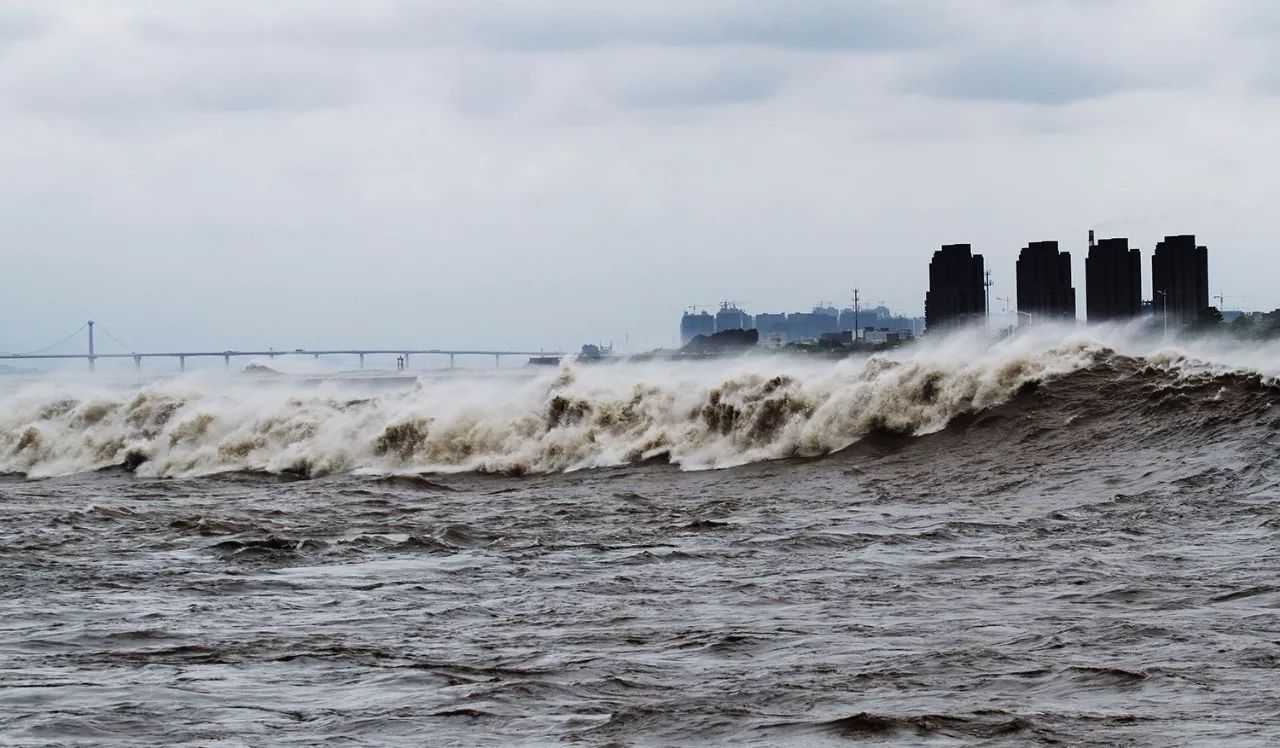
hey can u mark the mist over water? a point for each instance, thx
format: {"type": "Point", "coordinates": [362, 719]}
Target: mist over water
{"type": "Point", "coordinates": [698, 415]}
{"type": "Point", "coordinates": [1064, 536]}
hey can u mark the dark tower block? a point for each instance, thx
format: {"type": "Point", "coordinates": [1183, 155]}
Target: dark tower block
{"type": "Point", "coordinates": [956, 295]}
{"type": "Point", "coordinates": [1113, 281]}
{"type": "Point", "coordinates": [1044, 283]}
{"type": "Point", "coordinates": [1180, 279]}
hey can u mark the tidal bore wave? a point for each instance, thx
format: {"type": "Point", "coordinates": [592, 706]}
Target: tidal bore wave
{"type": "Point", "coordinates": [1068, 538]}
{"type": "Point", "coordinates": [698, 416]}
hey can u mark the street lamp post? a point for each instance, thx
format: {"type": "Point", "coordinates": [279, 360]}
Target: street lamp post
{"type": "Point", "coordinates": [1016, 312]}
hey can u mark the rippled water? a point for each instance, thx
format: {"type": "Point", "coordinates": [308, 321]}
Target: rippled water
{"type": "Point", "coordinates": [1093, 562]}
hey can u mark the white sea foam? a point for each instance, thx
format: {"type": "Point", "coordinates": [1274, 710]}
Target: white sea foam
{"type": "Point", "coordinates": [699, 415]}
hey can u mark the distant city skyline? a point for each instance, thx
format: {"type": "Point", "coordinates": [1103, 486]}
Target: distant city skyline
{"type": "Point", "coordinates": [959, 292]}
{"type": "Point", "coordinates": [998, 305]}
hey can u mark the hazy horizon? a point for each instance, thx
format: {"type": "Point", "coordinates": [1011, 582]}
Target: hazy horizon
{"type": "Point", "coordinates": [235, 175]}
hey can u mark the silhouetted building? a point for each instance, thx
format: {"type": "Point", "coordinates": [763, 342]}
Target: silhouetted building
{"type": "Point", "coordinates": [1180, 279]}
{"type": "Point", "coordinates": [771, 324]}
{"type": "Point", "coordinates": [956, 295]}
{"type": "Point", "coordinates": [878, 317]}
{"type": "Point", "coordinates": [811, 325]}
{"type": "Point", "coordinates": [1044, 284]}
{"type": "Point", "coordinates": [822, 320]}
{"type": "Point", "coordinates": [730, 317]}
{"type": "Point", "coordinates": [692, 325]}
{"type": "Point", "coordinates": [1112, 281]}
{"type": "Point", "coordinates": [814, 325]}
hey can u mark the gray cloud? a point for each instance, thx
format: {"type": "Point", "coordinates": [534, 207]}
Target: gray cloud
{"type": "Point", "coordinates": [555, 172]}
{"type": "Point", "coordinates": [263, 91]}
{"type": "Point", "coordinates": [489, 89]}
{"type": "Point", "coordinates": [806, 24]}
{"type": "Point", "coordinates": [18, 24]}
{"type": "Point", "coordinates": [1020, 75]}
{"type": "Point", "coordinates": [1259, 18]}
{"type": "Point", "coordinates": [729, 84]}
{"type": "Point", "coordinates": [560, 25]}
{"type": "Point", "coordinates": [713, 49]}
{"type": "Point", "coordinates": [101, 83]}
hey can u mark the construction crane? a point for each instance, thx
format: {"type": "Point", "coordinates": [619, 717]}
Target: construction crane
{"type": "Point", "coordinates": [1222, 298]}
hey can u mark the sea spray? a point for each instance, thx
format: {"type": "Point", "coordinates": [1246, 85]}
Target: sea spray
{"type": "Point", "coordinates": [698, 415]}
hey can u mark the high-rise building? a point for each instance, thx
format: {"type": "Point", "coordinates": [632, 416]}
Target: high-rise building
{"type": "Point", "coordinates": [812, 325]}
{"type": "Point", "coordinates": [1180, 279]}
{"type": "Point", "coordinates": [1112, 280]}
{"type": "Point", "coordinates": [877, 317]}
{"type": "Point", "coordinates": [957, 292]}
{"type": "Point", "coordinates": [730, 317]}
{"type": "Point", "coordinates": [692, 325]}
{"type": "Point", "coordinates": [1044, 284]}
{"type": "Point", "coordinates": [771, 324]}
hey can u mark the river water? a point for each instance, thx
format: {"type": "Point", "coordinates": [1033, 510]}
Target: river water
{"type": "Point", "coordinates": [1086, 556]}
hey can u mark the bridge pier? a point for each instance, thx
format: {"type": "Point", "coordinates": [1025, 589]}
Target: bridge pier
{"type": "Point", "coordinates": [361, 360]}
{"type": "Point", "coordinates": [226, 362]}
{"type": "Point", "coordinates": [406, 361]}
{"type": "Point", "coordinates": [497, 361]}
{"type": "Point", "coordinates": [182, 363]}
{"type": "Point", "coordinates": [137, 363]}
{"type": "Point", "coordinates": [450, 360]}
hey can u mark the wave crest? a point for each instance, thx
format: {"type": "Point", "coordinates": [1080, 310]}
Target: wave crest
{"type": "Point", "coordinates": [697, 415]}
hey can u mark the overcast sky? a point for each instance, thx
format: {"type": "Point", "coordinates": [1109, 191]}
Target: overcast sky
{"type": "Point", "coordinates": [547, 173]}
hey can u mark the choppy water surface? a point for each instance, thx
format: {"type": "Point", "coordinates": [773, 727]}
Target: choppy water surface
{"type": "Point", "coordinates": [1091, 558]}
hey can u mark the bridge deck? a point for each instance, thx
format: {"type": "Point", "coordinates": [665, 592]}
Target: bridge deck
{"type": "Point", "coordinates": [272, 354]}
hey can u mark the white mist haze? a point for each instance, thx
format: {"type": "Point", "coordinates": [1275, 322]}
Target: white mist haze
{"type": "Point", "coordinates": [219, 175]}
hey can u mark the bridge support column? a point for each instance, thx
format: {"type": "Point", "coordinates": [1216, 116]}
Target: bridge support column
{"type": "Point", "coordinates": [182, 363]}
{"type": "Point", "coordinates": [406, 361]}
{"type": "Point", "coordinates": [497, 360]}
{"type": "Point", "coordinates": [226, 363]}
{"type": "Point", "coordinates": [450, 360]}
{"type": "Point", "coordinates": [361, 360]}
{"type": "Point", "coordinates": [317, 356]}
{"type": "Point", "coordinates": [137, 363]}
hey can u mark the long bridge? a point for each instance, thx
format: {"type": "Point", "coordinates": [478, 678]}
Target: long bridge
{"type": "Point", "coordinates": [403, 354]}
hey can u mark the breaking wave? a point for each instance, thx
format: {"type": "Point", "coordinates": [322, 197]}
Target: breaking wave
{"type": "Point", "coordinates": [697, 415]}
